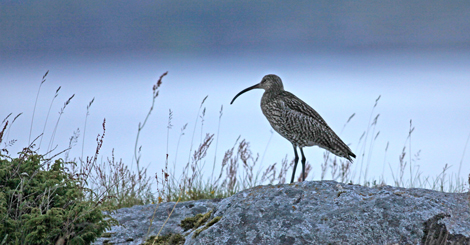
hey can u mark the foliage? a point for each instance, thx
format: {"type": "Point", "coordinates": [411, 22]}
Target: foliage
{"type": "Point", "coordinates": [41, 203]}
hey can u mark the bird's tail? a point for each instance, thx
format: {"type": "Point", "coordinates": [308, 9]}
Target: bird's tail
{"type": "Point", "coordinates": [339, 148]}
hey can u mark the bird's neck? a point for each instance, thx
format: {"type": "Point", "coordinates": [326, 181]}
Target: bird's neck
{"type": "Point", "coordinates": [269, 95]}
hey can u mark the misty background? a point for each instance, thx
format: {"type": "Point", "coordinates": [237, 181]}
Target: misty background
{"type": "Point", "coordinates": [338, 56]}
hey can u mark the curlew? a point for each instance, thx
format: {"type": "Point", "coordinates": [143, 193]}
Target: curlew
{"type": "Point", "coordinates": [296, 121]}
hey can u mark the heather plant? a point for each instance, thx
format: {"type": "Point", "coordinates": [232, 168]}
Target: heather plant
{"type": "Point", "coordinates": [41, 203]}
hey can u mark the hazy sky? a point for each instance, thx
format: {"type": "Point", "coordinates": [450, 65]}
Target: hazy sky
{"type": "Point", "coordinates": [338, 56]}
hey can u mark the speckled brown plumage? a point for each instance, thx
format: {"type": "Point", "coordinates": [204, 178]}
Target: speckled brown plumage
{"type": "Point", "coordinates": [296, 121]}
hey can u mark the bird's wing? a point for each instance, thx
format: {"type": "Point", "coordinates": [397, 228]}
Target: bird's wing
{"type": "Point", "coordinates": [294, 103]}
{"type": "Point", "coordinates": [324, 136]}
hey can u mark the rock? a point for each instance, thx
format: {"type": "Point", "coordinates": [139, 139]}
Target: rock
{"type": "Point", "coordinates": [135, 221]}
{"type": "Point", "coordinates": [316, 212]}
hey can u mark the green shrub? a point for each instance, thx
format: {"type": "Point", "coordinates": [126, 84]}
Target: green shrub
{"type": "Point", "coordinates": [41, 203]}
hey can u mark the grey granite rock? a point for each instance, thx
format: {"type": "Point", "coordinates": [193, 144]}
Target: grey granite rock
{"type": "Point", "coordinates": [317, 212]}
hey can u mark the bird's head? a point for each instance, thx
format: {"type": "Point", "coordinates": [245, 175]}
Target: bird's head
{"type": "Point", "coordinates": [269, 83]}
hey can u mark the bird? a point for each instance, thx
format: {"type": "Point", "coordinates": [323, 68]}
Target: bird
{"type": "Point", "coordinates": [296, 121]}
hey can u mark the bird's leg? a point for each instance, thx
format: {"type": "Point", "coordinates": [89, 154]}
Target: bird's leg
{"type": "Point", "coordinates": [296, 160]}
{"type": "Point", "coordinates": [303, 164]}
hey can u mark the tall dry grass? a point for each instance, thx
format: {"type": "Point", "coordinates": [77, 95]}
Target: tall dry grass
{"type": "Point", "coordinates": [126, 184]}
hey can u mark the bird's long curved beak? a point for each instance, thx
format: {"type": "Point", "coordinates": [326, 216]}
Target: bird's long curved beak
{"type": "Point", "coordinates": [245, 90]}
